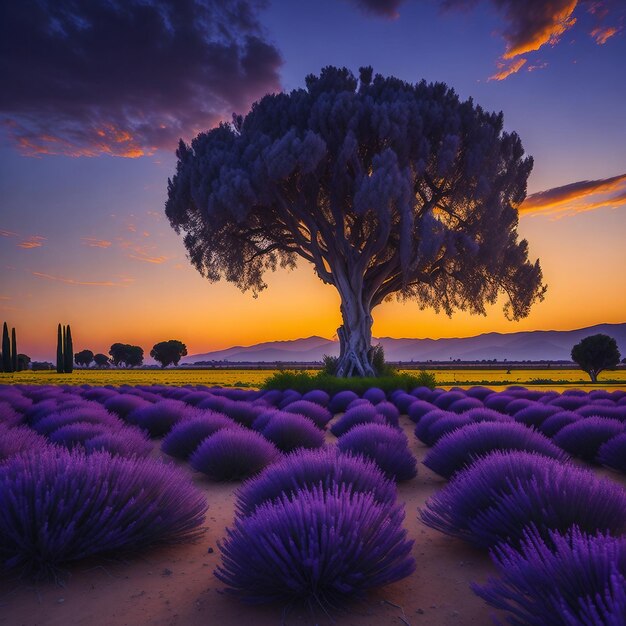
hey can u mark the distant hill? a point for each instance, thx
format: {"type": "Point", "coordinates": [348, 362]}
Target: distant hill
{"type": "Point", "coordinates": [536, 345]}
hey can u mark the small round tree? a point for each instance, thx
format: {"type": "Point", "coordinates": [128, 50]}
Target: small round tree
{"type": "Point", "coordinates": [386, 187]}
{"type": "Point", "coordinates": [168, 352]}
{"type": "Point", "coordinates": [126, 354]}
{"type": "Point", "coordinates": [595, 354]}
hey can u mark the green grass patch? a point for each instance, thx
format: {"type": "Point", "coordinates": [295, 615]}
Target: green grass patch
{"type": "Point", "coordinates": [305, 381]}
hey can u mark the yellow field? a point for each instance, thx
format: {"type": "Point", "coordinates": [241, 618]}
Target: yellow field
{"type": "Point", "coordinates": [562, 378]}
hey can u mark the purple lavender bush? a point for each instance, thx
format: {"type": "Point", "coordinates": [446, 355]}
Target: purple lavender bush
{"type": "Point", "coordinates": [53, 421]}
{"type": "Point", "coordinates": [422, 429]}
{"type": "Point", "coordinates": [584, 437]}
{"type": "Point", "coordinates": [188, 434]}
{"type": "Point", "coordinates": [126, 441]}
{"type": "Point", "coordinates": [535, 414]}
{"type": "Point", "coordinates": [418, 409]}
{"type": "Point", "coordinates": [613, 453]}
{"type": "Point", "coordinates": [445, 425]}
{"type": "Point", "coordinates": [19, 439]}
{"type": "Point", "coordinates": [340, 401]}
{"type": "Point", "coordinates": [505, 492]}
{"type": "Point", "coordinates": [290, 431]}
{"type": "Point", "coordinates": [389, 411]}
{"type": "Point", "coordinates": [9, 416]}
{"type": "Point", "coordinates": [448, 398]}
{"type": "Point", "coordinates": [498, 401]}
{"type": "Point", "coordinates": [575, 579]}
{"type": "Point", "coordinates": [74, 435]}
{"type": "Point", "coordinates": [305, 469]}
{"type": "Point", "coordinates": [233, 454]}
{"type": "Point", "coordinates": [375, 395]}
{"type": "Point", "coordinates": [385, 445]}
{"type": "Point", "coordinates": [318, 396]}
{"type": "Point", "coordinates": [553, 424]}
{"type": "Point", "coordinates": [319, 414]}
{"type": "Point", "coordinates": [465, 404]}
{"type": "Point", "coordinates": [461, 448]}
{"type": "Point", "coordinates": [360, 414]}
{"type": "Point", "coordinates": [487, 415]}
{"type": "Point", "coordinates": [123, 404]}
{"type": "Point", "coordinates": [59, 506]}
{"type": "Point", "coordinates": [159, 418]}
{"type": "Point", "coordinates": [243, 412]}
{"type": "Point", "coordinates": [321, 549]}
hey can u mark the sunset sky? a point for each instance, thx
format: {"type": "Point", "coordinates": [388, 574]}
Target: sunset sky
{"type": "Point", "coordinates": [96, 97]}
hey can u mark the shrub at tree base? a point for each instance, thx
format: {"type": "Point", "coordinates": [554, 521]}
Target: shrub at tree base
{"type": "Point", "coordinates": [321, 548]}
{"type": "Point", "coordinates": [384, 445]}
{"type": "Point", "coordinates": [459, 449]}
{"type": "Point", "coordinates": [576, 579]}
{"type": "Point", "coordinates": [304, 382]}
{"type": "Point", "coordinates": [59, 506]}
{"type": "Point", "coordinates": [505, 492]}
{"type": "Point", "coordinates": [233, 454]}
{"type": "Point", "coordinates": [306, 469]}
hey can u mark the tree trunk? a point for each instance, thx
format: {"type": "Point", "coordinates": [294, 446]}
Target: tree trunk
{"type": "Point", "coordinates": [593, 375]}
{"type": "Point", "coordinates": [355, 335]}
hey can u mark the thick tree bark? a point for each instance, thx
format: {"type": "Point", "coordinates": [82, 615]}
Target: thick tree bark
{"type": "Point", "coordinates": [355, 335]}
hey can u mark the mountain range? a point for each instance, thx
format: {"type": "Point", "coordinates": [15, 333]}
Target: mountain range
{"type": "Point", "coordinates": [535, 345]}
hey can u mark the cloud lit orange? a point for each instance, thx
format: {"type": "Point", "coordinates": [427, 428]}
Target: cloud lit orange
{"type": "Point", "coordinates": [578, 197]}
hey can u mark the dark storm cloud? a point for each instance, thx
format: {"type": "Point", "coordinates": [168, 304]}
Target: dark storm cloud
{"type": "Point", "coordinates": [126, 77]}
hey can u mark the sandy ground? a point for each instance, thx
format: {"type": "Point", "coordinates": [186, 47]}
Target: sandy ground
{"type": "Point", "coordinates": [175, 586]}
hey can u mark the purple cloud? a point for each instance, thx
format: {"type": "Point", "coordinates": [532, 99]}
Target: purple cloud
{"type": "Point", "coordinates": [381, 8]}
{"type": "Point", "coordinates": [90, 77]}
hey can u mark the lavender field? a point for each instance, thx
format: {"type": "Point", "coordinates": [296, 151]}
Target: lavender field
{"type": "Point", "coordinates": [315, 506]}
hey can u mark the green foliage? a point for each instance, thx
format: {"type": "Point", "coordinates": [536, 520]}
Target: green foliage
{"type": "Point", "coordinates": [377, 359]}
{"type": "Point", "coordinates": [330, 364]}
{"type": "Point", "coordinates": [304, 381]}
{"type": "Point", "coordinates": [595, 354]}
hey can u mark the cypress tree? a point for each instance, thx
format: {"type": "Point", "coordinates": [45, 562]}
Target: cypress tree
{"type": "Point", "coordinates": [13, 350]}
{"type": "Point", "coordinates": [69, 351]}
{"type": "Point", "coordinates": [60, 364]}
{"type": "Point", "coordinates": [6, 349]}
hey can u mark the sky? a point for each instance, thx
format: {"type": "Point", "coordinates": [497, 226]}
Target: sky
{"type": "Point", "coordinates": [99, 94]}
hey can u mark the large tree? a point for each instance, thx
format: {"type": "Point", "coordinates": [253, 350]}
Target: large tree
{"type": "Point", "coordinates": [168, 352]}
{"type": "Point", "coordinates": [84, 358]}
{"type": "Point", "coordinates": [595, 354]}
{"type": "Point", "coordinates": [126, 354]}
{"type": "Point", "coordinates": [386, 187]}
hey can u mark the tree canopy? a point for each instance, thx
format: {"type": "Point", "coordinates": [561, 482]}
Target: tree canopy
{"type": "Point", "coordinates": [386, 187]}
{"type": "Point", "coordinates": [126, 355]}
{"type": "Point", "coordinates": [168, 352]}
{"type": "Point", "coordinates": [84, 358]}
{"type": "Point", "coordinates": [595, 354]}
{"type": "Point", "coordinates": [101, 360]}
